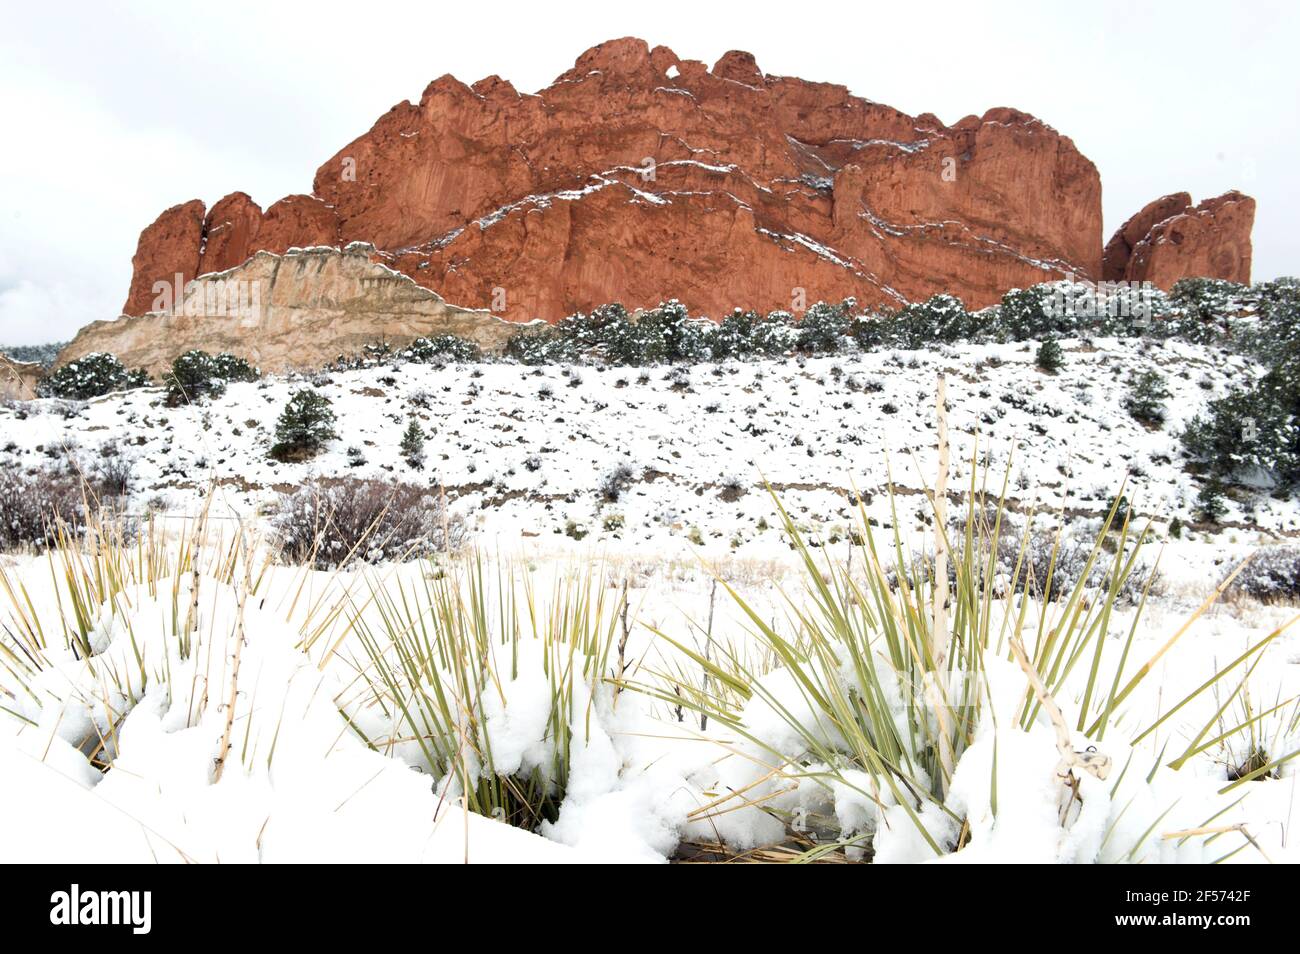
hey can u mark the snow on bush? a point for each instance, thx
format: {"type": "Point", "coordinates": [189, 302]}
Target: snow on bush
{"type": "Point", "coordinates": [328, 522]}
{"type": "Point", "coordinates": [92, 376]}
{"type": "Point", "coordinates": [1273, 575]}
{"type": "Point", "coordinates": [42, 354]}
{"type": "Point", "coordinates": [439, 348]}
{"type": "Point", "coordinates": [196, 374]}
{"type": "Point", "coordinates": [518, 715]}
{"type": "Point", "coordinates": [36, 511]}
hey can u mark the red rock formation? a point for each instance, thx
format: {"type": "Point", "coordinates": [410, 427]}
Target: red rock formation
{"type": "Point", "coordinates": [1210, 240]}
{"type": "Point", "coordinates": [169, 247]}
{"type": "Point", "coordinates": [1115, 257]}
{"type": "Point", "coordinates": [229, 233]}
{"type": "Point", "coordinates": [638, 176]}
{"type": "Point", "coordinates": [186, 241]}
{"type": "Point", "coordinates": [297, 220]}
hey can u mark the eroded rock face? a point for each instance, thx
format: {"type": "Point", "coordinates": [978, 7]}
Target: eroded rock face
{"type": "Point", "coordinates": [1210, 240]}
{"type": "Point", "coordinates": [229, 233]}
{"type": "Point", "coordinates": [301, 221]}
{"type": "Point", "coordinates": [170, 246]}
{"type": "Point", "coordinates": [18, 379]}
{"type": "Point", "coordinates": [300, 310]}
{"type": "Point", "coordinates": [639, 176]}
{"type": "Point", "coordinates": [1115, 257]}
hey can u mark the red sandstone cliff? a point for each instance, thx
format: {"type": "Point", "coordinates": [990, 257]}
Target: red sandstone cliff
{"type": "Point", "coordinates": [638, 176]}
{"type": "Point", "coordinates": [1172, 239]}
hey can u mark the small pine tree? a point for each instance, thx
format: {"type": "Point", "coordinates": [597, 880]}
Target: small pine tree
{"type": "Point", "coordinates": [305, 426]}
{"type": "Point", "coordinates": [1121, 507]}
{"type": "Point", "coordinates": [1145, 400]}
{"type": "Point", "coordinates": [1027, 313]}
{"type": "Point", "coordinates": [412, 445]}
{"type": "Point", "coordinates": [197, 374]}
{"type": "Point", "coordinates": [1050, 356]}
{"type": "Point", "coordinates": [1176, 528]}
{"type": "Point", "coordinates": [1210, 500]}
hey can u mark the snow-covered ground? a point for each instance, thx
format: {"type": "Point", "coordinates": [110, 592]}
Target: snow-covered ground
{"type": "Point", "coordinates": [299, 784]}
{"type": "Point", "coordinates": [524, 454]}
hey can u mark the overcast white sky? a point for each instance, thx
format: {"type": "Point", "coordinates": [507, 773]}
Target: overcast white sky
{"type": "Point", "coordinates": [110, 115]}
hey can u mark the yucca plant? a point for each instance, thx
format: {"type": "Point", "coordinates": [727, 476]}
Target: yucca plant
{"type": "Point", "coordinates": [97, 580]}
{"type": "Point", "coordinates": [476, 684]}
{"type": "Point", "coordinates": [885, 657]}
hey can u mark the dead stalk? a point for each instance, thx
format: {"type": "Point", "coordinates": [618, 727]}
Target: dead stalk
{"type": "Point", "coordinates": [939, 631]}
{"type": "Point", "coordinates": [240, 638]}
{"type": "Point", "coordinates": [939, 635]}
{"type": "Point", "coordinates": [622, 645]}
{"type": "Point", "coordinates": [708, 651]}
{"type": "Point", "coordinates": [1094, 763]}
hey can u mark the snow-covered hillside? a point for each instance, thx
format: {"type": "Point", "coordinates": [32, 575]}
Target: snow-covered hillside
{"type": "Point", "coordinates": [666, 458]}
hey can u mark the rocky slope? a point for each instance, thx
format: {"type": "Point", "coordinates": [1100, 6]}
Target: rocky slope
{"type": "Point", "coordinates": [639, 176]}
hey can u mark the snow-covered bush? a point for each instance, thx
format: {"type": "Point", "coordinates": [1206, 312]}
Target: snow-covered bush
{"type": "Point", "coordinates": [823, 327]}
{"type": "Point", "coordinates": [939, 319]}
{"type": "Point", "coordinates": [1255, 427]}
{"type": "Point", "coordinates": [372, 353]}
{"type": "Point", "coordinates": [31, 509]}
{"type": "Point", "coordinates": [1046, 564]}
{"type": "Point", "coordinates": [1200, 311]}
{"type": "Point", "coordinates": [1054, 565]}
{"type": "Point", "coordinates": [412, 444]}
{"type": "Point", "coordinates": [1208, 302]}
{"type": "Point", "coordinates": [902, 725]}
{"type": "Point", "coordinates": [615, 483]}
{"type": "Point", "coordinates": [732, 337]}
{"type": "Point", "coordinates": [437, 348]}
{"type": "Point", "coordinates": [305, 426]}
{"type": "Point", "coordinates": [196, 374]}
{"type": "Point", "coordinates": [1209, 500]}
{"type": "Point", "coordinates": [1027, 313]}
{"type": "Point", "coordinates": [53, 507]}
{"type": "Point", "coordinates": [1050, 357]}
{"type": "Point", "coordinates": [92, 376]}
{"type": "Point", "coordinates": [661, 335]}
{"type": "Point", "coordinates": [327, 523]}
{"type": "Point", "coordinates": [768, 336]}
{"type": "Point", "coordinates": [114, 472]}
{"type": "Point", "coordinates": [42, 354]}
{"type": "Point", "coordinates": [668, 335]}
{"type": "Point", "coordinates": [538, 346]}
{"type": "Point", "coordinates": [1275, 337]}
{"type": "Point", "coordinates": [1272, 576]}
